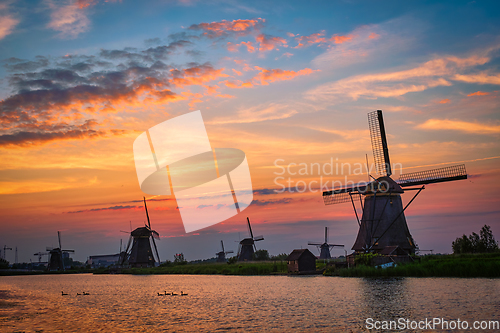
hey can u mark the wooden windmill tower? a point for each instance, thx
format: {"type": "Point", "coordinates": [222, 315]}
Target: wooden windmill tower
{"type": "Point", "coordinates": [325, 248]}
{"type": "Point", "coordinates": [383, 223]}
{"type": "Point", "coordinates": [56, 262]}
{"type": "Point", "coordinates": [247, 245]}
{"type": "Point", "coordinates": [221, 256]}
{"type": "Point", "coordinates": [141, 254]}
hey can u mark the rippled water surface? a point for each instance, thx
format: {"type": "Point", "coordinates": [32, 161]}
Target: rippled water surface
{"type": "Point", "coordinates": [127, 303]}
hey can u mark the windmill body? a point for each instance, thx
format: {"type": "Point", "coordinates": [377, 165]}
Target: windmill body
{"type": "Point", "coordinates": [325, 248]}
{"type": "Point", "coordinates": [247, 245]}
{"type": "Point", "coordinates": [141, 252]}
{"type": "Point", "coordinates": [383, 224]}
{"type": "Point", "coordinates": [383, 212]}
{"type": "Point", "coordinates": [56, 262]}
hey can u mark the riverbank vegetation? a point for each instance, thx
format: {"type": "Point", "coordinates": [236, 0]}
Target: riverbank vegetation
{"type": "Point", "coordinates": [485, 265]}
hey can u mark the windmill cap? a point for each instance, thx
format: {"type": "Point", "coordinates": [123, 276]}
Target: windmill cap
{"type": "Point", "coordinates": [387, 185]}
{"type": "Point", "coordinates": [141, 232]}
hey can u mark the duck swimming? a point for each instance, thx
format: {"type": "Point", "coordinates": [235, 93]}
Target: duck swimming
{"type": "Point", "coordinates": [182, 294]}
{"type": "Point", "coordinates": [63, 294]}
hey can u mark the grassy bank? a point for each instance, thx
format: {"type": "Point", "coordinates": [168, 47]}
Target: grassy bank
{"type": "Point", "coordinates": [252, 268]}
{"type": "Point", "coordinates": [464, 265]}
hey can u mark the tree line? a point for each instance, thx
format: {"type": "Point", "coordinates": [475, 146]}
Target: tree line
{"type": "Point", "coordinates": [483, 243]}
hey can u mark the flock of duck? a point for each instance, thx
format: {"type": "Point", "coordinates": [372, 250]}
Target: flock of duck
{"type": "Point", "coordinates": [159, 294]}
{"type": "Point", "coordinates": [172, 294]}
{"type": "Point", "coordinates": [77, 294]}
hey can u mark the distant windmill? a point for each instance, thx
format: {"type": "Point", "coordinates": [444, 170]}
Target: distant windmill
{"type": "Point", "coordinates": [40, 254]}
{"type": "Point", "coordinates": [383, 224]}
{"type": "Point", "coordinates": [325, 248]}
{"type": "Point", "coordinates": [56, 262]}
{"type": "Point", "coordinates": [5, 248]}
{"type": "Point", "coordinates": [247, 245]}
{"type": "Point", "coordinates": [221, 256]}
{"type": "Point", "coordinates": [140, 254]}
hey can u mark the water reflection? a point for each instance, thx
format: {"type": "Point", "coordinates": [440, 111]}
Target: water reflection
{"type": "Point", "coordinates": [125, 303]}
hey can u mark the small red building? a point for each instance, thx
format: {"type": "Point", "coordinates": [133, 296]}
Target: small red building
{"type": "Point", "coordinates": [301, 261]}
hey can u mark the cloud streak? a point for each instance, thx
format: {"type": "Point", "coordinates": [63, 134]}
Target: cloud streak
{"type": "Point", "coordinates": [458, 125]}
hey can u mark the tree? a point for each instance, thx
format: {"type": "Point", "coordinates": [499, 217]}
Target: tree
{"type": "Point", "coordinates": [4, 263]}
{"type": "Point", "coordinates": [462, 245]}
{"type": "Point", "coordinates": [484, 242]}
{"type": "Point", "coordinates": [179, 259]}
{"type": "Point", "coordinates": [488, 241]}
{"type": "Point", "coordinates": [261, 255]}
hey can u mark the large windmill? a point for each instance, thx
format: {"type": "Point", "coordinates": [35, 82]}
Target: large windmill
{"type": "Point", "coordinates": [141, 254]}
{"type": "Point", "coordinates": [383, 224]}
{"type": "Point", "coordinates": [56, 262]}
{"type": "Point", "coordinates": [247, 245]}
{"type": "Point", "coordinates": [325, 248]}
{"type": "Point", "coordinates": [221, 256]}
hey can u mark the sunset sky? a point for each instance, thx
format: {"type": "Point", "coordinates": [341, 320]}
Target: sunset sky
{"type": "Point", "coordinates": [283, 81]}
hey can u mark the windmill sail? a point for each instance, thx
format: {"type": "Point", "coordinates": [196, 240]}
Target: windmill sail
{"type": "Point", "coordinates": [440, 175]}
{"type": "Point", "coordinates": [379, 143]}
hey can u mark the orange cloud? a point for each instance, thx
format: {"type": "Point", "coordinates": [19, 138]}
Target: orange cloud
{"type": "Point", "coordinates": [223, 28]}
{"type": "Point", "coordinates": [481, 78]}
{"type": "Point", "coordinates": [196, 75]}
{"type": "Point", "coordinates": [267, 75]}
{"type": "Point", "coordinates": [458, 125]}
{"type": "Point", "coordinates": [236, 84]}
{"type": "Point", "coordinates": [340, 39]}
{"type": "Point", "coordinates": [234, 47]}
{"type": "Point", "coordinates": [272, 75]}
{"type": "Point", "coordinates": [305, 41]}
{"type": "Point", "coordinates": [478, 93]}
{"type": "Point", "coordinates": [86, 3]}
{"type": "Point", "coordinates": [444, 101]}
{"type": "Point", "coordinates": [269, 43]}
{"type": "Point", "coordinates": [373, 36]}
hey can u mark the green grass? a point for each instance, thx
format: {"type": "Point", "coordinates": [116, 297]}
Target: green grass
{"type": "Point", "coordinates": [465, 265]}
{"type": "Point", "coordinates": [253, 268]}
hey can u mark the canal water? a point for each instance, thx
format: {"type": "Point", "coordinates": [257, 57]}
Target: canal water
{"type": "Point", "coordinates": [129, 303]}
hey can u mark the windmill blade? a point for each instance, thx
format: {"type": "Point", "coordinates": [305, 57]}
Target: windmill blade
{"type": "Point", "coordinates": [59, 238]}
{"type": "Point", "coordinates": [317, 244]}
{"type": "Point", "coordinates": [379, 143]}
{"type": "Point", "coordinates": [72, 251]}
{"type": "Point", "coordinates": [335, 245]}
{"type": "Point", "coordinates": [332, 198]}
{"type": "Point", "coordinates": [126, 251]}
{"type": "Point", "coordinates": [222, 244]}
{"type": "Point", "coordinates": [258, 238]}
{"type": "Point", "coordinates": [155, 234]}
{"type": "Point", "coordinates": [447, 174]}
{"type": "Point", "coordinates": [250, 228]}
{"type": "Point", "coordinates": [326, 234]}
{"type": "Point", "coordinates": [156, 250]}
{"type": "Point", "coordinates": [227, 252]}
{"type": "Point", "coordinates": [147, 215]}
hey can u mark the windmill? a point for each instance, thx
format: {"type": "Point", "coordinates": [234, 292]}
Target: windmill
{"type": "Point", "coordinates": [383, 223]}
{"type": "Point", "coordinates": [221, 256]}
{"type": "Point", "coordinates": [140, 254]}
{"type": "Point", "coordinates": [325, 248]}
{"type": "Point", "coordinates": [247, 245]}
{"type": "Point", "coordinates": [40, 254]}
{"type": "Point", "coordinates": [56, 262]}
